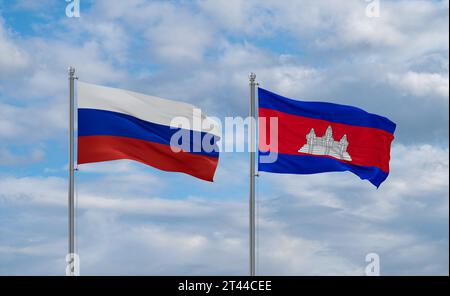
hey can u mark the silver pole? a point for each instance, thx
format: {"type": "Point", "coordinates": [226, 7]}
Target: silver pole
{"type": "Point", "coordinates": [252, 78]}
{"type": "Point", "coordinates": [71, 170]}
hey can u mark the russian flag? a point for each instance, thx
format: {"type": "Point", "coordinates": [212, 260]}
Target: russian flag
{"type": "Point", "coordinates": [316, 137]}
{"type": "Point", "coordinates": [120, 124]}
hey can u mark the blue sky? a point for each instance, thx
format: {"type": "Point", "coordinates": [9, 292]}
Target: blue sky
{"type": "Point", "coordinates": [135, 220]}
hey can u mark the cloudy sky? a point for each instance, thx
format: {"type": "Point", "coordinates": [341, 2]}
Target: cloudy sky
{"type": "Point", "coordinates": [135, 220]}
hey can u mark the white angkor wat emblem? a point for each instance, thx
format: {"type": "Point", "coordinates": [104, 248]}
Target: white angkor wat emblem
{"type": "Point", "coordinates": [326, 145]}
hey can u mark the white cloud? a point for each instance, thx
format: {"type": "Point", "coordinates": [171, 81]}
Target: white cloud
{"type": "Point", "coordinates": [238, 16]}
{"type": "Point", "coordinates": [49, 191]}
{"type": "Point", "coordinates": [346, 24]}
{"type": "Point", "coordinates": [12, 58]}
{"type": "Point", "coordinates": [179, 37]}
{"type": "Point", "coordinates": [10, 158]}
{"type": "Point", "coordinates": [425, 163]}
{"type": "Point", "coordinates": [172, 33]}
{"type": "Point", "coordinates": [349, 218]}
{"type": "Point", "coordinates": [49, 77]}
{"type": "Point", "coordinates": [421, 84]}
{"type": "Point", "coordinates": [318, 224]}
{"type": "Point", "coordinates": [32, 123]}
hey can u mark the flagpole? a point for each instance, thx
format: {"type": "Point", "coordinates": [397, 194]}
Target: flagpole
{"type": "Point", "coordinates": [71, 213]}
{"type": "Point", "coordinates": [252, 78]}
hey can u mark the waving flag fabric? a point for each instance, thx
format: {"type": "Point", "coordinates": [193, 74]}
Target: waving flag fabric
{"type": "Point", "coordinates": [119, 124]}
{"type": "Point", "coordinates": [315, 137]}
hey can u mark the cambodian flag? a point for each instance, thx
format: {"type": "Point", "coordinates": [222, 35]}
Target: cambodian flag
{"type": "Point", "coordinates": [119, 124]}
{"type": "Point", "coordinates": [315, 137]}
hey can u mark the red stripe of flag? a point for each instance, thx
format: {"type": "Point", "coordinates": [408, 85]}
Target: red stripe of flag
{"type": "Point", "coordinates": [160, 156]}
{"type": "Point", "coordinates": [367, 146]}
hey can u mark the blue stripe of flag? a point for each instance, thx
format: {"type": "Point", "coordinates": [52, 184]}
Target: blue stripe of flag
{"type": "Point", "coordinates": [95, 122]}
{"type": "Point", "coordinates": [309, 164]}
{"type": "Point", "coordinates": [326, 111]}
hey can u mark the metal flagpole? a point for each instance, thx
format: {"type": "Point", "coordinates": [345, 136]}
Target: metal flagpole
{"type": "Point", "coordinates": [252, 78]}
{"type": "Point", "coordinates": [71, 171]}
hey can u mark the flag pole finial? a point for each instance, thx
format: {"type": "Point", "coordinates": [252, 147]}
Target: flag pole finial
{"type": "Point", "coordinates": [71, 71]}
